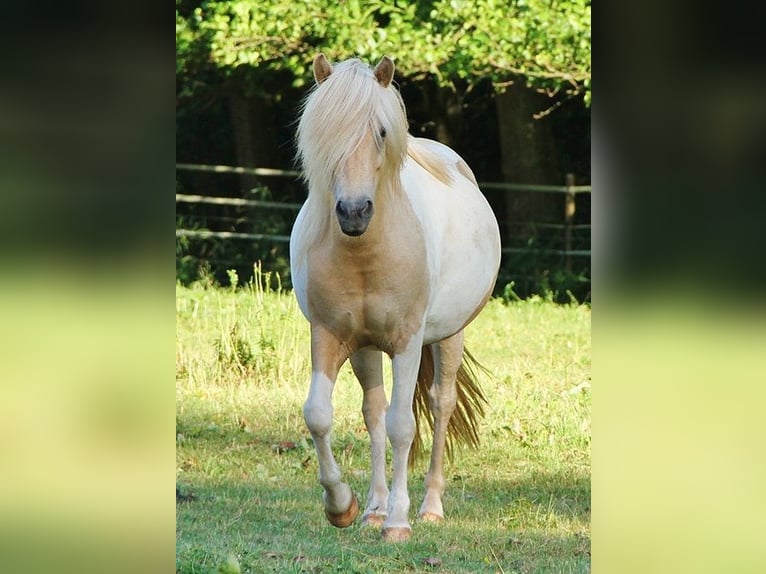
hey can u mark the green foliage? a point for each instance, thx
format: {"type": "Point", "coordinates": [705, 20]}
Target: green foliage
{"type": "Point", "coordinates": [545, 44]}
{"type": "Point", "coordinates": [231, 261]}
{"type": "Point", "coordinates": [557, 285]}
{"type": "Point", "coordinates": [234, 349]}
{"type": "Point", "coordinates": [228, 566]}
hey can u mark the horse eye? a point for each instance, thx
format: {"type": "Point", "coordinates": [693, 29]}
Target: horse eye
{"type": "Point", "coordinates": [382, 133]}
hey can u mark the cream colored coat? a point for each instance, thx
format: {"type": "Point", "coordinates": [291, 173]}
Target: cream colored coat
{"type": "Point", "coordinates": [421, 271]}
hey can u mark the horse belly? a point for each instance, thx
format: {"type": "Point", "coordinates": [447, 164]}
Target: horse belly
{"type": "Point", "coordinates": [463, 242]}
{"type": "Point", "coordinates": [457, 299]}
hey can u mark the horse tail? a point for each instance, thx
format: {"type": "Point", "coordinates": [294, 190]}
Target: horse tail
{"type": "Point", "coordinates": [463, 426]}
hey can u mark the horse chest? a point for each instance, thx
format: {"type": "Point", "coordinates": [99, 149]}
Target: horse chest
{"type": "Point", "coordinates": [367, 300]}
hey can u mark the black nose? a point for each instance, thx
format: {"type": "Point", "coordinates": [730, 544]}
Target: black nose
{"type": "Point", "coordinates": [354, 215]}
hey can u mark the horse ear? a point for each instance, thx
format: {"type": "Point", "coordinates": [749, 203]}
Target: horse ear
{"type": "Point", "coordinates": [322, 68]}
{"type": "Point", "coordinates": [384, 71]}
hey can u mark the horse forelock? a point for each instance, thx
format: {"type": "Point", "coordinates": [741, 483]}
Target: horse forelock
{"type": "Point", "coordinates": [336, 116]}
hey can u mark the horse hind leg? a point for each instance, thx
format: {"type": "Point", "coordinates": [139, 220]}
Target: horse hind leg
{"type": "Point", "coordinates": [368, 368]}
{"type": "Point", "coordinates": [447, 357]}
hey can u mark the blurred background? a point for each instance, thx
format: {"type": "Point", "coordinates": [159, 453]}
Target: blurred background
{"type": "Point", "coordinates": [87, 337]}
{"type": "Point", "coordinates": [505, 84]}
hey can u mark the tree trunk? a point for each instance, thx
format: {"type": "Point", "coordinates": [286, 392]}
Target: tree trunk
{"type": "Point", "coordinates": [253, 122]}
{"type": "Point", "coordinates": [528, 156]}
{"type": "Point", "coordinates": [444, 108]}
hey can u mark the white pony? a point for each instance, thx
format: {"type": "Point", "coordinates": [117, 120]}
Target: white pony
{"type": "Point", "coordinates": [395, 251]}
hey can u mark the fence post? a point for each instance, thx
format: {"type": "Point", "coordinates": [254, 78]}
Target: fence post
{"type": "Point", "coordinates": [569, 213]}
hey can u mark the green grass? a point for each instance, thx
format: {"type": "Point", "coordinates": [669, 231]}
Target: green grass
{"type": "Point", "coordinates": [247, 472]}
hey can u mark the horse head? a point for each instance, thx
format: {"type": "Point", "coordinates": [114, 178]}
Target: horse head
{"type": "Point", "coordinates": [352, 137]}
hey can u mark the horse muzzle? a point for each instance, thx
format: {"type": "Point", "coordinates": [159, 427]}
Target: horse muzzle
{"type": "Point", "coordinates": [354, 215]}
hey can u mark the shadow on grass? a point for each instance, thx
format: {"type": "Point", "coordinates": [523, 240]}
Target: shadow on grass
{"type": "Point", "coordinates": [277, 525]}
{"type": "Point", "coordinates": [562, 495]}
{"type": "Point", "coordinates": [240, 496]}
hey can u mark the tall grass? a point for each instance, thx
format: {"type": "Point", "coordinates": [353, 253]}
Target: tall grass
{"type": "Point", "coordinates": [249, 499]}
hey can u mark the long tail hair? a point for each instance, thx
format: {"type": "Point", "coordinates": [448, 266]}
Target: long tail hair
{"type": "Point", "coordinates": [463, 426]}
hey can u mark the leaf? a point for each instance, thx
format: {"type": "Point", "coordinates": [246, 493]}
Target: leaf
{"type": "Point", "coordinates": [583, 387]}
{"type": "Point", "coordinates": [244, 424]}
{"type": "Point", "coordinates": [283, 446]}
{"type": "Point", "coordinates": [184, 496]}
{"type": "Point", "coordinates": [230, 566]}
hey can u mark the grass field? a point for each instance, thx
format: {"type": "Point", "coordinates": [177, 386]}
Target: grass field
{"type": "Point", "coordinates": [248, 498]}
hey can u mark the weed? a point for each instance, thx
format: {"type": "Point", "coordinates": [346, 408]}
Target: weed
{"type": "Point", "coordinates": [234, 350]}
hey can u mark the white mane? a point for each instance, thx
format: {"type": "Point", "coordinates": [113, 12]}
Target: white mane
{"type": "Point", "coordinates": [338, 113]}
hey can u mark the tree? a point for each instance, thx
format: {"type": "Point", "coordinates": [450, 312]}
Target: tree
{"type": "Point", "coordinates": [532, 56]}
{"type": "Point", "coordinates": [544, 44]}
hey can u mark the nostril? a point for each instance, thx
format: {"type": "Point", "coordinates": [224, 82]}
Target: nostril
{"type": "Point", "coordinates": [366, 208]}
{"type": "Point", "coordinates": [341, 210]}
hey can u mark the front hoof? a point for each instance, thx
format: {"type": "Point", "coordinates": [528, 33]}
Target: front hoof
{"type": "Point", "coordinates": [374, 520]}
{"type": "Point", "coordinates": [344, 519]}
{"type": "Point", "coordinates": [431, 517]}
{"type": "Point", "coordinates": [396, 534]}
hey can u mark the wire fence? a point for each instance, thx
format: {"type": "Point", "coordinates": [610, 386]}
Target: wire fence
{"type": "Point", "coordinates": [208, 224]}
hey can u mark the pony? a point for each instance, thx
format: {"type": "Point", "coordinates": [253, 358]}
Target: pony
{"type": "Point", "coordinates": [394, 251]}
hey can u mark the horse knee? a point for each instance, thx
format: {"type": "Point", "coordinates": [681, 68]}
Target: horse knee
{"type": "Point", "coordinates": [318, 417]}
{"type": "Point", "coordinates": [373, 414]}
{"type": "Point", "coordinates": [442, 399]}
{"type": "Point", "coordinates": [400, 429]}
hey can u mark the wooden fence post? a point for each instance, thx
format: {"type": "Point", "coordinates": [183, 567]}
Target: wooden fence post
{"type": "Point", "coordinates": [569, 213]}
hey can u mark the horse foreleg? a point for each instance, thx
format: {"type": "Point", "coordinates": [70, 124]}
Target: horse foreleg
{"type": "Point", "coordinates": [341, 506]}
{"type": "Point", "coordinates": [400, 426]}
{"type": "Point", "coordinates": [447, 354]}
{"type": "Point", "coordinates": [368, 368]}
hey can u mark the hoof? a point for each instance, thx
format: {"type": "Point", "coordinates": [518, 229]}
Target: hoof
{"type": "Point", "coordinates": [431, 517]}
{"type": "Point", "coordinates": [374, 520]}
{"type": "Point", "coordinates": [344, 519]}
{"type": "Point", "coordinates": [396, 534]}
